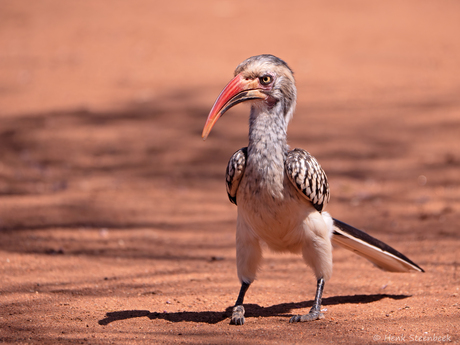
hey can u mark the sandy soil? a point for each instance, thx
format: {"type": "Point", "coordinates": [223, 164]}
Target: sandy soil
{"type": "Point", "coordinates": [115, 224]}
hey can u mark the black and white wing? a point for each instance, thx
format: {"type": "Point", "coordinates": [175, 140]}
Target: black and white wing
{"type": "Point", "coordinates": [308, 177]}
{"type": "Point", "coordinates": [235, 171]}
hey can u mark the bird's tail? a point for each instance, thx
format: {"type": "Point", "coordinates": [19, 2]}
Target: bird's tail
{"type": "Point", "coordinates": [377, 252]}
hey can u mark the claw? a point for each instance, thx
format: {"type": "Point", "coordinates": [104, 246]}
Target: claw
{"type": "Point", "coordinates": [238, 315]}
{"type": "Point", "coordinates": [311, 316]}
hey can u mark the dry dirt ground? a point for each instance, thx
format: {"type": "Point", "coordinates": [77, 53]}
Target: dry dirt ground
{"type": "Point", "coordinates": [115, 224]}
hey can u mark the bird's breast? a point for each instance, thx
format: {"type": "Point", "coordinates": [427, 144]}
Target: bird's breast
{"type": "Point", "coordinates": [273, 211]}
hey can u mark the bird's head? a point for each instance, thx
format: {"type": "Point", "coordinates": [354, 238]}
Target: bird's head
{"type": "Point", "coordinates": [264, 80]}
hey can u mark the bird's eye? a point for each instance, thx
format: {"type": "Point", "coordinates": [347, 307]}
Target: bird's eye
{"type": "Point", "coordinates": [266, 79]}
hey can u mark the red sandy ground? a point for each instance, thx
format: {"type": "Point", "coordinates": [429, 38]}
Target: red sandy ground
{"type": "Point", "coordinates": [115, 224]}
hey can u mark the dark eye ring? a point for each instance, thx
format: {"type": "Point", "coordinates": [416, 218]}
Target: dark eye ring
{"type": "Point", "coordinates": [266, 79]}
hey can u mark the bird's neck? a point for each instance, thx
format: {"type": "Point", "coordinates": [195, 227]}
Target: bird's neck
{"type": "Point", "coordinates": [267, 149]}
{"type": "Point", "coordinates": [267, 132]}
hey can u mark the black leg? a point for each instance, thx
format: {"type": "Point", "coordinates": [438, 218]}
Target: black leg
{"type": "Point", "coordinates": [315, 311]}
{"type": "Point", "coordinates": [238, 309]}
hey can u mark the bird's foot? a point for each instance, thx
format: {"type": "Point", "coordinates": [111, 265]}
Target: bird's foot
{"type": "Point", "coordinates": [237, 315]}
{"type": "Point", "coordinates": [311, 316]}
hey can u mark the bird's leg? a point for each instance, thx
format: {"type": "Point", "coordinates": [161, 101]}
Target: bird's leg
{"type": "Point", "coordinates": [238, 309]}
{"type": "Point", "coordinates": [315, 311]}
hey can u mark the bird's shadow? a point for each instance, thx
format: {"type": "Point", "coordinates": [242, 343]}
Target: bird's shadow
{"type": "Point", "coordinates": [213, 317]}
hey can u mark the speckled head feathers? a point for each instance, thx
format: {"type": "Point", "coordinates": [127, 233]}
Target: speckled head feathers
{"type": "Point", "coordinates": [284, 90]}
{"type": "Point", "coordinates": [259, 64]}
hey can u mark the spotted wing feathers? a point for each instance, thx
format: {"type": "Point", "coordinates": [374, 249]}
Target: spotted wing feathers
{"type": "Point", "coordinates": [306, 174]}
{"type": "Point", "coordinates": [235, 171]}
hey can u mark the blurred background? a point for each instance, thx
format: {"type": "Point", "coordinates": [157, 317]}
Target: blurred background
{"type": "Point", "coordinates": [98, 96]}
{"type": "Point", "coordinates": [58, 55]}
{"type": "Point", "coordinates": [102, 104]}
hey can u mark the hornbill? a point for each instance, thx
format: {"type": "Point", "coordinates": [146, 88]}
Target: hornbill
{"type": "Point", "coordinates": [281, 193]}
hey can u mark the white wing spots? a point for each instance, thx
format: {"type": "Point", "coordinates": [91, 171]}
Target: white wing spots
{"type": "Point", "coordinates": [307, 175]}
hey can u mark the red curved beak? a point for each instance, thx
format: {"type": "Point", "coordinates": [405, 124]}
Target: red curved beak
{"type": "Point", "coordinates": [237, 90]}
